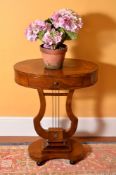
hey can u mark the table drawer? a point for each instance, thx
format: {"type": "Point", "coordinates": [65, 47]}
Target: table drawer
{"type": "Point", "coordinates": [60, 83]}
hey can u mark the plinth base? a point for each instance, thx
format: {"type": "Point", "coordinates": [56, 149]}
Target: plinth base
{"type": "Point", "coordinates": [74, 155]}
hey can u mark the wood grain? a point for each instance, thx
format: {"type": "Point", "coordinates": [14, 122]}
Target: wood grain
{"type": "Point", "coordinates": [56, 143]}
{"type": "Point", "coordinates": [75, 74]}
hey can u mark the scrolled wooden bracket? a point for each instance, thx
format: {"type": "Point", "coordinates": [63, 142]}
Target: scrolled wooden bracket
{"type": "Point", "coordinates": [72, 117]}
{"type": "Point", "coordinates": [37, 125]}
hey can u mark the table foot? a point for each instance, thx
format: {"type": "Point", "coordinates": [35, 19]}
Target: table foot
{"type": "Point", "coordinates": [74, 155]}
{"type": "Point", "coordinates": [72, 162]}
{"type": "Point", "coordinates": [40, 163]}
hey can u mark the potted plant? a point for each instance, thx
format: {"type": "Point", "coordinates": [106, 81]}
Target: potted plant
{"type": "Point", "coordinates": [63, 25]}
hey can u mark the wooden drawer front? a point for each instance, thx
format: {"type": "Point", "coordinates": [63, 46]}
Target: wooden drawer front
{"type": "Point", "coordinates": [49, 83]}
{"type": "Point", "coordinates": [60, 83]}
{"type": "Point", "coordinates": [43, 83]}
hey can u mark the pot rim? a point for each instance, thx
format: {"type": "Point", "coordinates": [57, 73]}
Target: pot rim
{"type": "Point", "coordinates": [53, 51]}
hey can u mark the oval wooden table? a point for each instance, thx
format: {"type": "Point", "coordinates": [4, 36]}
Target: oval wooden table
{"type": "Point", "coordinates": [56, 142]}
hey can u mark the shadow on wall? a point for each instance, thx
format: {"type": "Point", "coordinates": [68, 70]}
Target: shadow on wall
{"type": "Point", "coordinates": [99, 31]}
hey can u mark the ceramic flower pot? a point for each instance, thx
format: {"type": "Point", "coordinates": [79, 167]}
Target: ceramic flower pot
{"type": "Point", "coordinates": [53, 59]}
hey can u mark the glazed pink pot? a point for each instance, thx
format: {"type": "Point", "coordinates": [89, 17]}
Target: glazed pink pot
{"type": "Point", "coordinates": [53, 59]}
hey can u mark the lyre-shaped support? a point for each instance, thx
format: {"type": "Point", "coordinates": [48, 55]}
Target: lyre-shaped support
{"type": "Point", "coordinates": [65, 146]}
{"type": "Point", "coordinates": [37, 120]}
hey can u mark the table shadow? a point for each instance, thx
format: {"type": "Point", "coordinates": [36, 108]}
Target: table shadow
{"type": "Point", "coordinates": [99, 31]}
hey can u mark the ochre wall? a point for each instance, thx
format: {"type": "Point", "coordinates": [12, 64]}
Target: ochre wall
{"type": "Point", "coordinates": [96, 42]}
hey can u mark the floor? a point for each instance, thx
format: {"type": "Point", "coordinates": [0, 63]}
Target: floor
{"type": "Point", "coordinates": [100, 159]}
{"type": "Point", "coordinates": [10, 139]}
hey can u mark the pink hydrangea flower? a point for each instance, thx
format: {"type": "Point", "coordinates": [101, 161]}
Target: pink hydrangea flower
{"type": "Point", "coordinates": [63, 25]}
{"type": "Point", "coordinates": [31, 36]}
{"type": "Point", "coordinates": [67, 19]}
{"type": "Point", "coordinates": [35, 27]}
{"type": "Point", "coordinates": [52, 38]}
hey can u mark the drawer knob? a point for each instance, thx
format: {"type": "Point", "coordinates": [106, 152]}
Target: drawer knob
{"type": "Point", "coordinates": [56, 83]}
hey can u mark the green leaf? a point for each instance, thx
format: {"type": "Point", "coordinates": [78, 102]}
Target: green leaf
{"type": "Point", "coordinates": [61, 30]}
{"type": "Point", "coordinates": [71, 35]}
{"type": "Point", "coordinates": [41, 34]}
{"type": "Point", "coordinates": [49, 20]}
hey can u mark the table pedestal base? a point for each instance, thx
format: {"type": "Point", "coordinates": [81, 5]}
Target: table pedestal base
{"type": "Point", "coordinates": [74, 155]}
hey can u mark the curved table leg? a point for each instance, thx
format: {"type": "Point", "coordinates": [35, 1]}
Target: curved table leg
{"type": "Point", "coordinates": [72, 117]}
{"type": "Point", "coordinates": [37, 125]}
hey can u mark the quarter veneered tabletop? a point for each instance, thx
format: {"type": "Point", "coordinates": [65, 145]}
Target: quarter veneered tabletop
{"type": "Point", "coordinates": [76, 73]}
